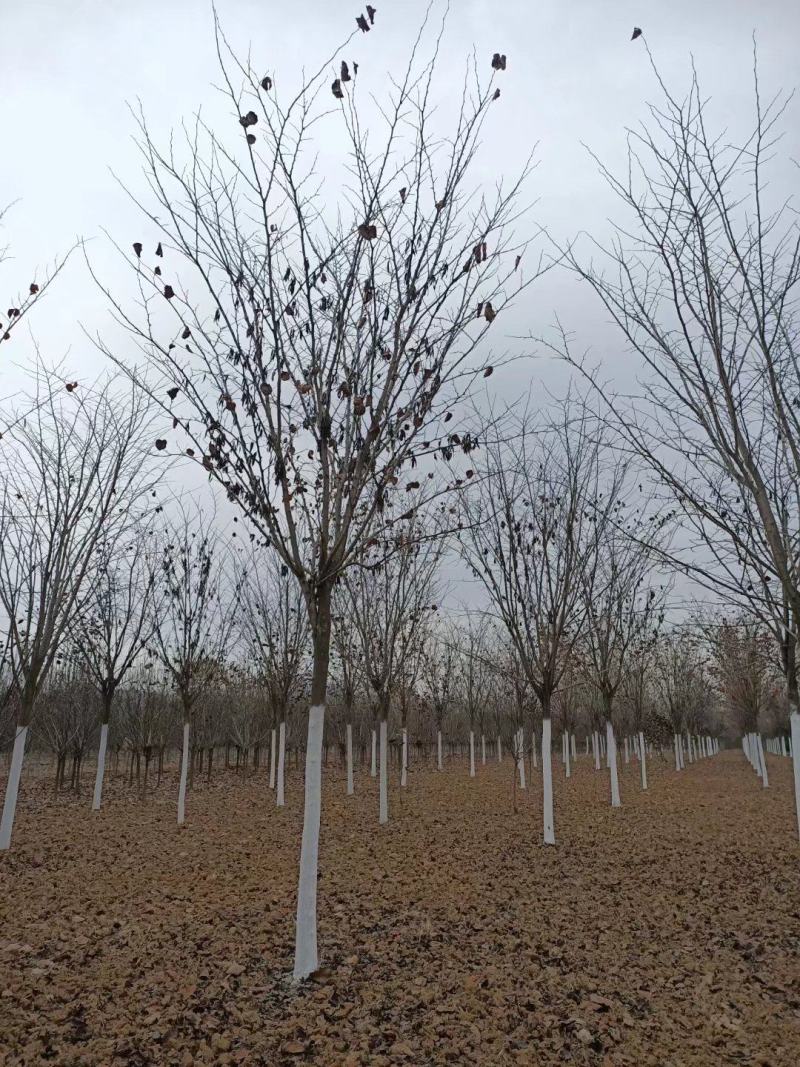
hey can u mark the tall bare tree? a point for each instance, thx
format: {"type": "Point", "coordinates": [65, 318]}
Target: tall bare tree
{"type": "Point", "coordinates": [314, 335]}
{"type": "Point", "coordinates": [529, 531]}
{"type": "Point", "coordinates": [194, 626]}
{"type": "Point", "coordinates": [390, 596]}
{"type": "Point", "coordinates": [702, 281]}
{"type": "Point", "coordinates": [623, 600]}
{"type": "Point", "coordinates": [69, 475]}
{"type": "Point", "coordinates": [115, 623]}
{"type": "Point", "coordinates": [275, 626]}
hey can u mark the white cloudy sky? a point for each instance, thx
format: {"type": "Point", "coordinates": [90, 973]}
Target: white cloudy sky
{"type": "Point", "coordinates": [68, 69]}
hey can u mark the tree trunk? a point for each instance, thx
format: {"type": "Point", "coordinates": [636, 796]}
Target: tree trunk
{"type": "Point", "coordinates": [305, 948]}
{"type": "Point", "coordinates": [373, 770]}
{"type": "Point", "coordinates": [611, 749]}
{"type": "Point", "coordinates": [567, 766]}
{"type": "Point", "coordinates": [762, 762]}
{"type": "Point", "coordinates": [184, 772]}
{"type": "Point", "coordinates": [12, 786]}
{"type": "Point", "coordinates": [272, 757]}
{"type": "Point", "coordinates": [349, 730]}
{"type": "Point", "coordinates": [548, 822]}
{"type": "Point", "coordinates": [642, 760]}
{"type": "Point", "coordinates": [404, 760]}
{"type": "Point", "coordinates": [281, 777]}
{"type": "Point", "coordinates": [439, 750]}
{"type": "Point", "coordinates": [472, 754]}
{"type": "Point", "coordinates": [520, 754]}
{"type": "Point", "coordinates": [101, 756]}
{"type": "Point", "coordinates": [383, 803]}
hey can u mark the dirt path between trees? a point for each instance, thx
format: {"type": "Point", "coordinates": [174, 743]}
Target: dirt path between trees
{"type": "Point", "coordinates": [664, 933]}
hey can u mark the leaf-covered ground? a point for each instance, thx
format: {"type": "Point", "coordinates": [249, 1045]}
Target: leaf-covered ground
{"type": "Point", "coordinates": [666, 932]}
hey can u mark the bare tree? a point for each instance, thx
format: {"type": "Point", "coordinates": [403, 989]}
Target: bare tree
{"type": "Point", "coordinates": [623, 603]}
{"type": "Point", "coordinates": [349, 667]}
{"type": "Point", "coordinates": [390, 594]}
{"type": "Point", "coordinates": [437, 681]}
{"type": "Point", "coordinates": [115, 623]}
{"type": "Point", "coordinates": [703, 287]}
{"type": "Point", "coordinates": [529, 531]}
{"type": "Point", "coordinates": [744, 669]}
{"type": "Point", "coordinates": [275, 627]}
{"type": "Point", "coordinates": [194, 627]}
{"type": "Point", "coordinates": [475, 680]}
{"type": "Point", "coordinates": [684, 686]}
{"type": "Point", "coordinates": [325, 341]}
{"type": "Point", "coordinates": [68, 477]}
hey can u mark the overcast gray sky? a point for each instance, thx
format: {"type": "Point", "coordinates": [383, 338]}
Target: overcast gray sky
{"type": "Point", "coordinates": [68, 68]}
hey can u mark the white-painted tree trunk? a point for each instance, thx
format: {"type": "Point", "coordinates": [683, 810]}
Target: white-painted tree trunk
{"type": "Point", "coordinates": [184, 772]}
{"type": "Point", "coordinates": [101, 767]}
{"type": "Point", "coordinates": [574, 747]}
{"type": "Point", "coordinates": [520, 753]}
{"type": "Point", "coordinates": [596, 747]}
{"type": "Point", "coordinates": [349, 730]}
{"type": "Point", "coordinates": [12, 787]}
{"type": "Point", "coordinates": [754, 757]}
{"type": "Point", "coordinates": [279, 797]}
{"type": "Point", "coordinates": [373, 770]}
{"type": "Point", "coordinates": [548, 823]}
{"type": "Point", "coordinates": [689, 747]}
{"type": "Point", "coordinates": [404, 760]}
{"type": "Point", "coordinates": [305, 942]}
{"type": "Point", "coordinates": [483, 750]}
{"type": "Point", "coordinates": [499, 749]}
{"type": "Point", "coordinates": [471, 754]}
{"type": "Point", "coordinates": [439, 750]}
{"type": "Point", "coordinates": [677, 753]}
{"type": "Point", "coordinates": [794, 752]}
{"type": "Point", "coordinates": [273, 756]}
{"type": "Point", "coordinates": [627, 750]}
{"type": "Point", "coordinates": [643, 759]}
{"type": "Point", "coordinates": [611, 748]}
{"type": "Point", "coordinates": [534, 760]}
{"type": "Point", "coordinates": [567, 766]}
{"type": "Point", "coordinates": [383, 805]}
{"type": "Point", "coordinates": [763, 764]}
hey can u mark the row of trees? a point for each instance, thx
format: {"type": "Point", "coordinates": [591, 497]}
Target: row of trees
{"type": "Point", "coordinates": [319, 352]}
{"type": "Point", "coordinates": [173, 621]}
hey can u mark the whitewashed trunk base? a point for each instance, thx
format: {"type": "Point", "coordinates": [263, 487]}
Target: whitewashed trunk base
{"type": "Point", "coordinates": [12, 788]}
{"type": "Point", "coordinates": [548, 824]}
{"type": "Point", "coordinates": [305, 945]}
{"type": "Point", "coordinates": [611, 748]}
{"type": "Point", "coordinates": [184, 773]}
{"type": "Point", "coordinates": [280, 799]}
{"type": "Point", "coordinates": [794, 751]}
{"type": "Point", "coordinates": [383, 812]}
{"type": "Point", "coordinates": [101, 768]}
{"type": "Point", "coordinates": [349, 759]}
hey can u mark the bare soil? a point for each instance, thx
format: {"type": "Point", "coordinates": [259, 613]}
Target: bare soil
{"type": "Point", "coordinates": [666, 932]}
